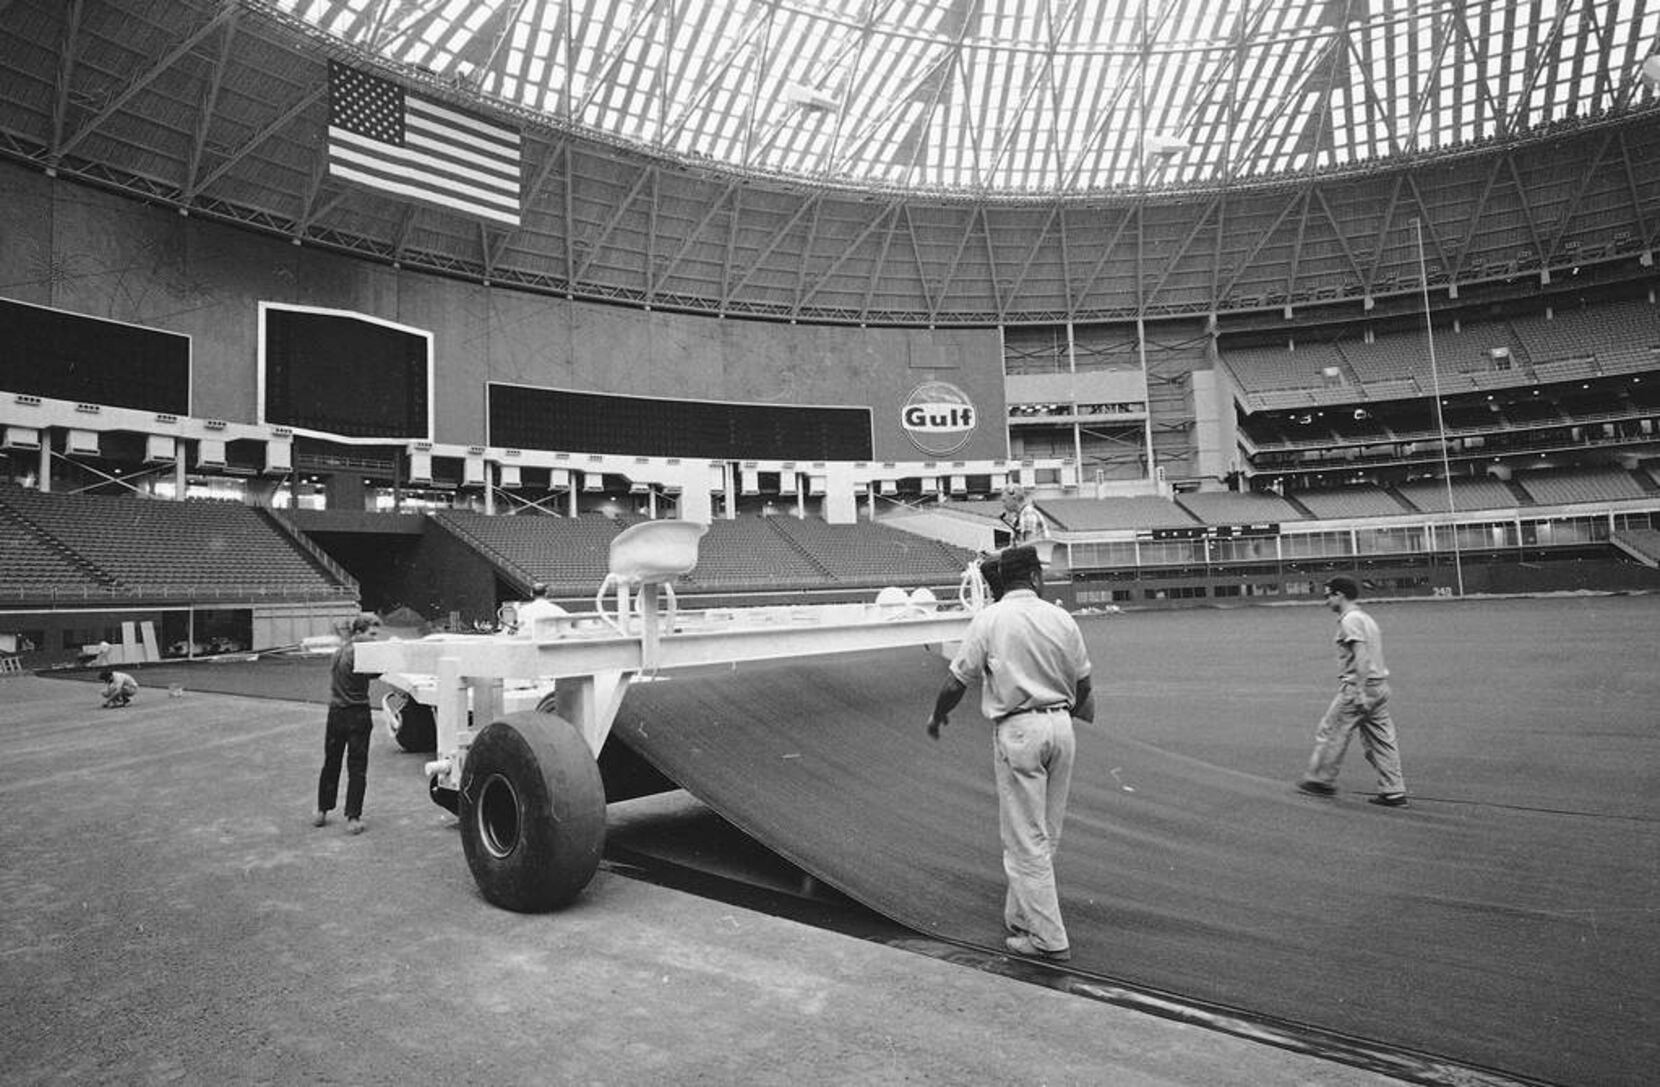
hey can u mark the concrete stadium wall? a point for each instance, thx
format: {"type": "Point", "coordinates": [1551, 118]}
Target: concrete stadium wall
{"type": "Point", "coordinates": [88, 251]}
{"type": "Point", "coordinates": [58, 633]}
{"type": "Point", "coordinates": [1599, 569]}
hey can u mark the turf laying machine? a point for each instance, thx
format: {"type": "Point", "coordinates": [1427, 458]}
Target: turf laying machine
{"type": "Point", "coordinates": [525, 784]}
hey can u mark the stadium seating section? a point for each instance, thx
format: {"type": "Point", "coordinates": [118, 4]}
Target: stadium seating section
{"type": "Point", "coordinates": [1430, 495]}
{"type": "Point", "coordinates": [570, 554]}
{"type": "Point", "coordinates": [745, 554]}
{"type": "Point", "coordinates": [35, 566]}
{"type": "Point", "coordinates": [132, 548]}
{"type": "Point", "coordinates": [1568, 486]}
{"type": "Point", "coordinates": [1271, 368]}
{"type": "Point", "coordinates": [1107, 514]}
{"type": "Point", "coordinates": [1361, 500]}
{"type": "Point", "coordinates": [1616, 337]}
{"type": "Point", "coordinates": [1229, 508]}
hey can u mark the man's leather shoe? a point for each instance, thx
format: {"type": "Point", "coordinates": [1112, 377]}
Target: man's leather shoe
{"type": "Point", "coordinates": [1023, 946]}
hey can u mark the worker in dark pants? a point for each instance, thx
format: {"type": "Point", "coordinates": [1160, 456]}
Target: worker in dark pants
{"type": "Point", "coordinates": [349, 725]}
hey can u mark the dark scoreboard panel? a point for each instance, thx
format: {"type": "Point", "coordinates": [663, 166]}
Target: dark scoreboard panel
{"type": "Point", "coordinates": [529, 417]}
{"type": "Point", "coordinates": [68, 356]}
{"type": "Point", "coordinates": [346, 375]}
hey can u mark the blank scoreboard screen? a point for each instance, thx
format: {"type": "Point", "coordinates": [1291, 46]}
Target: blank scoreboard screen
{"type": "Point", "coordinates": [68, 356]}
{"type": "Point", "coordinates": [344, 374]}
{"type": "Point", "coordinates": [526, 417]}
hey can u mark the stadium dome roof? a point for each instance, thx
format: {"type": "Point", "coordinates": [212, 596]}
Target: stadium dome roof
{"type": "Point", "coordinates": [980, 162]}
{"type": "Point", "coordinates": [1025, 96]}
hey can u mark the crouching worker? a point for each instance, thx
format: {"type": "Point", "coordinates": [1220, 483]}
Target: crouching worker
{"type": "Point", "coordinates": [119, 689]}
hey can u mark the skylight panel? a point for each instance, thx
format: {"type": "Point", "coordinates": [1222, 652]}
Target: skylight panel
{"type": "Point", "coordinates": [433, 34]}
{"type": "Point", "coordinates": [1026, 93]}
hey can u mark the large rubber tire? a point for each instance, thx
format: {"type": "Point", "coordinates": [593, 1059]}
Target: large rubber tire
{"type": "Point", "coordinates": [627, 776]}
{"type": "Point", "coordinates": [532, 812]}
{"type": "Point", "coordinates": [416, 727]}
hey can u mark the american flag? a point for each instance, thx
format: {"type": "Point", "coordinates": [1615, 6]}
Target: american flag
{"type": "Point", "coordinates": [401, 143]}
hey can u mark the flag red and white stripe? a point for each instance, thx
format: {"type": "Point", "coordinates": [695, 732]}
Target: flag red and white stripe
{"type": "Point", "coordinates": [400, 143]}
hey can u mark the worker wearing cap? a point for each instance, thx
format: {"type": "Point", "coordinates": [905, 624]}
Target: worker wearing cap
{"type": "Point", "coordinates": [1029, 658]}
{"type": "Point", "coordinates": [1026, 524]}
{"type": "Point", "coordinates": [1361, 705]}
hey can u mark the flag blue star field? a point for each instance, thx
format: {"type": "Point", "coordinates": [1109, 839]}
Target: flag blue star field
{"type": "Point", "coordinates": [398, 142]}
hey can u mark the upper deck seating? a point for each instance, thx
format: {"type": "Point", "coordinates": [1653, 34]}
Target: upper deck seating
{"type": "Point", "coordinates": [1275, 367]}
{"type": "Point", "coordinates": [1389, 358]}
{"type": "Point", "coordinates": [1620, 335]}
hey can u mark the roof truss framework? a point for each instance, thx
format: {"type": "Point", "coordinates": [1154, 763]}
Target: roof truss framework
{"type": "Point", "coordinates": [1021, 96]}
{"type": "Point", "coordinates": [217, 108]}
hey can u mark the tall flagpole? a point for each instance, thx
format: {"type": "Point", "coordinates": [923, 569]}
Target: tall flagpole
{"type": "Point", "coordinates": [1440, 424]}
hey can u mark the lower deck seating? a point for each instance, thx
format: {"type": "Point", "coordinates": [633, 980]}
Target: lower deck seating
{"type": "Point", "coordinates": [1352, 501]}
{"type": "Point", "coordinates": [1430, 495]}
{"type": "Point", "coordinates": [1568, 486]}
{"type": "Point", "coordinates": [569, 554]}
{"type": "Point", "coordinates": [1232, 508]}
{"type": "Point", "coordinates": [1108, 514]}
{"type": "Point", "coordinates": [145, 546]}
{"type": "Point", "coordinates": [872, 555]}
{"type": "Point", "coordinates": [747, 553]}
{"type": "Point", "coordinates": [32, 567]}
{"type": "Point", "coordinates": [744, 554]}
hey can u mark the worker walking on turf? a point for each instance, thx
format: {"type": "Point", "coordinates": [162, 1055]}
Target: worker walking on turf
{"type": "Point", "coordinates": [347, 732]}
{"type": "Point", "coordinates": [1361, 705]}
{"type": "Point", "coordinates": [1033, 668]}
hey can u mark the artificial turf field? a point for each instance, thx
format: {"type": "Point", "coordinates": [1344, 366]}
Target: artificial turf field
{"type": "Point", "coordinates": [1504, 922]}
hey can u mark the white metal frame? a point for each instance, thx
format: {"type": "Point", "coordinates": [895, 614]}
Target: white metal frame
{"type": "Point", "coordinates": [593, 657]}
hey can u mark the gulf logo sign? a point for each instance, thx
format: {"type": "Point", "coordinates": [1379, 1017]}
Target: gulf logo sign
{"type": "Point", "coordinates": [938, 417]}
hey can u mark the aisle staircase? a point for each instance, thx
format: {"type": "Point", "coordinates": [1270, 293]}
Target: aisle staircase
{"type": "Point", "coordinates": [1642, 544]}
